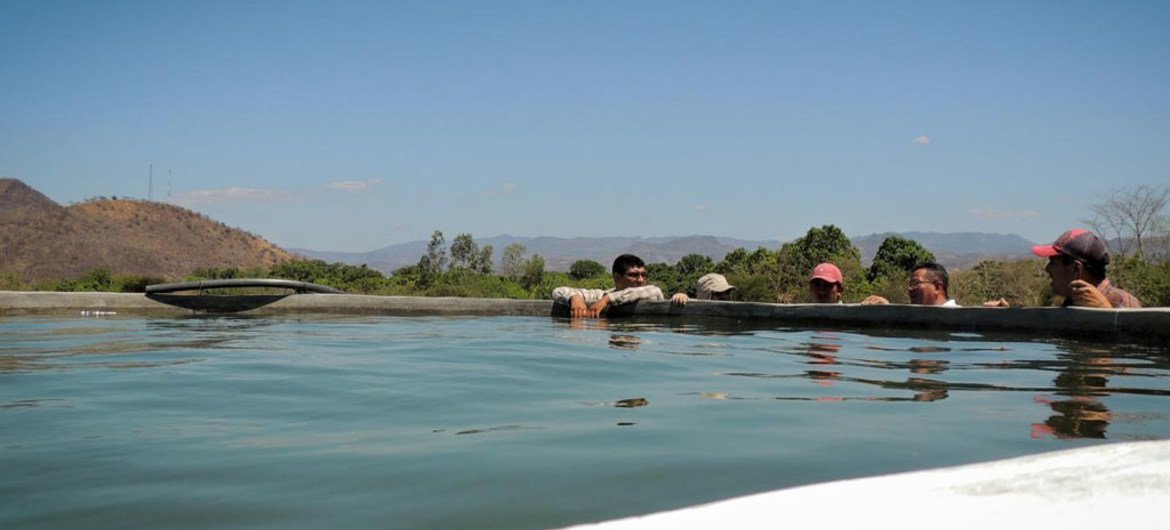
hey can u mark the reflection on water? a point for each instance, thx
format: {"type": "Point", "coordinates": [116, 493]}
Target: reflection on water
{"type": "Point", "coordinates": [624, 342]}
{"type": "Point", "coordinates": [843, 365]}
{"type": "Point", "coordinates": [374, 422]}
{"type": "Point", "coordinates": [1079, 388]}
{"type": "Point", "coordinates": [71, 344]}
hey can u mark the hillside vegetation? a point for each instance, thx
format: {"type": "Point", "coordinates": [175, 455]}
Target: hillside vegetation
{"type": "Point", "coordinates": [122, 245]}
{"type": "Point", "coordinates": [42, 240]}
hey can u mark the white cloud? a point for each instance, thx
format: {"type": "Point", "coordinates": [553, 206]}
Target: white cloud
{"type": "Point", "coordinates": [353, 185]}
{"type": "Point", "coordinates": [995, 214]}
{"type": "Point", "coordinates": [921, 139]}
{"type": "Point", "coordinates": [233, 194]}
{"type": "Point", "coordinates": [507, 188]}
{"type": "Point", "coordinates": [701, 207]}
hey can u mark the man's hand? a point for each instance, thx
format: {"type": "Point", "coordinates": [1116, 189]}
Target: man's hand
{"type": "Point", "coordinates": [598, 306]}
{"type": "Point", "coordinates": [680, 299]}
{"type": "Point", "coordinates": [1085, 294]}
{"type": "Point", "coordinates": [578, 309]}
{"type": "Point", "coordinates": [1002, 302]}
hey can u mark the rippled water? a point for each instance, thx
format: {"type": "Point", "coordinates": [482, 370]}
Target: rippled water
{"type": "Point", "coordinates": [511, 422]}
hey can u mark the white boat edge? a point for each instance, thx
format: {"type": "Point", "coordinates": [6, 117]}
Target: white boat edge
{"type": "Point", "coordinates": [1115, 485]}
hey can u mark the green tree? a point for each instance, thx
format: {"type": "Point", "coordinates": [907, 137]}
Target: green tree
{"type": "Point", "coordinates": [896, 257]}
{"type": "Point", "coordinates": [585, 268]}
{"type": "Point", "coordinates": [10, 281]}
{"type": "Point", "coordinates": [819, 245]}
{"type": "Point", "coordinates": [351, 278]}
{"type": "Point", "coordinates": [512, 264]}
{"type": "Point", "coordinates": [483, 261]}
{"type": "Point", "coordinates": [1022, 283]}
{"type": "Point", "coordinates": [533, 271]}
{"type": "Point", "coordinates": [734, 261]}
{"type": "Point", "coordinates": [464, 251]}
{"type": "Point", "coordinates": [1148, 281]}
{"type": "Point", "coordinates": [797, 259]}
{"type": "Point", "coordinates": [133, 283]}
{"type": "Point", "coordinates": [666, 277]}
{"type": "Point", "coordinates": [431, 264]}
{"type": "Point", "coordinates": [687, 270]}
{"type": "Point", "coordinates": [95, 279]}
{"type": "Point", "coordinates": [300, 270]}
{"type": "Point", "coordinates": [694, 265]}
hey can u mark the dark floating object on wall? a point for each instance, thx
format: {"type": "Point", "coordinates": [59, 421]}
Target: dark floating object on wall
{"type": "Point", "coordinates": [232, 303]}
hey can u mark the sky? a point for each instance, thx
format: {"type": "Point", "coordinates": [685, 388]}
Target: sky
{"type": "Point", "coordinates": [350, 126]}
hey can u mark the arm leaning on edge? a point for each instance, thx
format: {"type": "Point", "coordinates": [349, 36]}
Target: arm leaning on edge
{"type": "Point", "coordinates": [562, 295]}
{"type": "Point", "coordinates": [631, 294]}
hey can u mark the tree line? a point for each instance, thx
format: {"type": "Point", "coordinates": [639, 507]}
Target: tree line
{"type": "Point", "coordinates": [464, 269]}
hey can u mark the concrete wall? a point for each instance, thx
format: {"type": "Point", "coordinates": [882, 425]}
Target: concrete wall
{"type": "Point", "coordinates": [1142, 325]}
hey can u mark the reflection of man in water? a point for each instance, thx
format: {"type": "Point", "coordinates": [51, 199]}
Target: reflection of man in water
{"type": "Point", "coordinates": [624, 342]}
{"type": "Point", "coordinates": [1081, 415]}
{"type": "Point", "coordinates": [823, 354]}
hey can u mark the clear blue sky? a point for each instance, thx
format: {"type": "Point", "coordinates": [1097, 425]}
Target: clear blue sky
{"type": "Point", "coordinates": [355, 125]}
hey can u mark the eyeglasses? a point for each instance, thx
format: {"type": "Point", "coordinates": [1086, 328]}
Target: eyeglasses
{"type": "Point", "coordinates": [914, 283]}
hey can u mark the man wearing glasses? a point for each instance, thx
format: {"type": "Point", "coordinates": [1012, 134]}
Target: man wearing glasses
{"type": "Point", "coordinates": [928, 285]}
{"type": "Point", "coordinates": [629, 279]}
{"type": "Point", "coordinates": [1076, 266]}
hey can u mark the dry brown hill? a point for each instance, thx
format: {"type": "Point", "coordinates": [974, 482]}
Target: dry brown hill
{"type": "Point", "coordinates": [41, 240]}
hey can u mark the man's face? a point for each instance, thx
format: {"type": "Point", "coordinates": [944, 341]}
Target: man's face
{"type": "Point", "coordinates": [633, 277]}
{"type": "Point", "coordinates": [824, 292]}
{"type": "Point", "coordinates": [725, 295]}
{"type": "Point", "coordinates": [922, 289]}
{"type": "Point", "coordinates": [1062, 271]}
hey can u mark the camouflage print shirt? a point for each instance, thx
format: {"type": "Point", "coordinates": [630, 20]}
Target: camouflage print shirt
{"type": "Point", "coordinates": [561, 295]}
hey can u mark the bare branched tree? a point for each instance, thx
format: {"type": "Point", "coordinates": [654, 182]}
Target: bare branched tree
{"type": "Point", "coordinates": [1131, 216]}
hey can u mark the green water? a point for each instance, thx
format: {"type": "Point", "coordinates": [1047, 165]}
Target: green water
{"type": "Point", "coordinates": [512, 422]}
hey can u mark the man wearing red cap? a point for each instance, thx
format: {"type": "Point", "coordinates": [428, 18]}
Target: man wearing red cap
{"type": "Point", "coordinates": [826, 284]}
{"type": "Point", "coordinates": [1076, 265]}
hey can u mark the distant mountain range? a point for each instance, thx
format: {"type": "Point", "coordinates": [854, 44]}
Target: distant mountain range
{"type": "Point", "coordinates": [40, 239]}
{"type": "Point", "coordinates": [953, 250]}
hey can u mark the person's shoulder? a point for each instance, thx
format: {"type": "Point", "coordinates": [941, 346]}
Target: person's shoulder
{"type": "Point", "coordinates": [1119, 298]}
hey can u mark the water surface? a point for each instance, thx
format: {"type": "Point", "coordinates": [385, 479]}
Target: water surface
{"type": "Point", "coordinates": [513, 422]}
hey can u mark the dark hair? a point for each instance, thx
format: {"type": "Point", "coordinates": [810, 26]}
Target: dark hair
{"type": "Point", "coordinates": [625, 262]}
{"type": "Point", "coordinates": [1096, 271]}
{"type": "Point", "coordinates": [937, 272]}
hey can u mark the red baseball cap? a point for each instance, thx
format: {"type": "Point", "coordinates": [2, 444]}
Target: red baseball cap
{"type": "Point", "coordinates": [828, 272]}
{"type": "Point", "coordinates": [1079, 244]}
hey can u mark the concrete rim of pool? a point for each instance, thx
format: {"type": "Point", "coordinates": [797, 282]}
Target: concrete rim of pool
{"type": "Point", "coordinates": [1119, 485]}
{"type": "Point", "coordinates": [1139, 325]}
